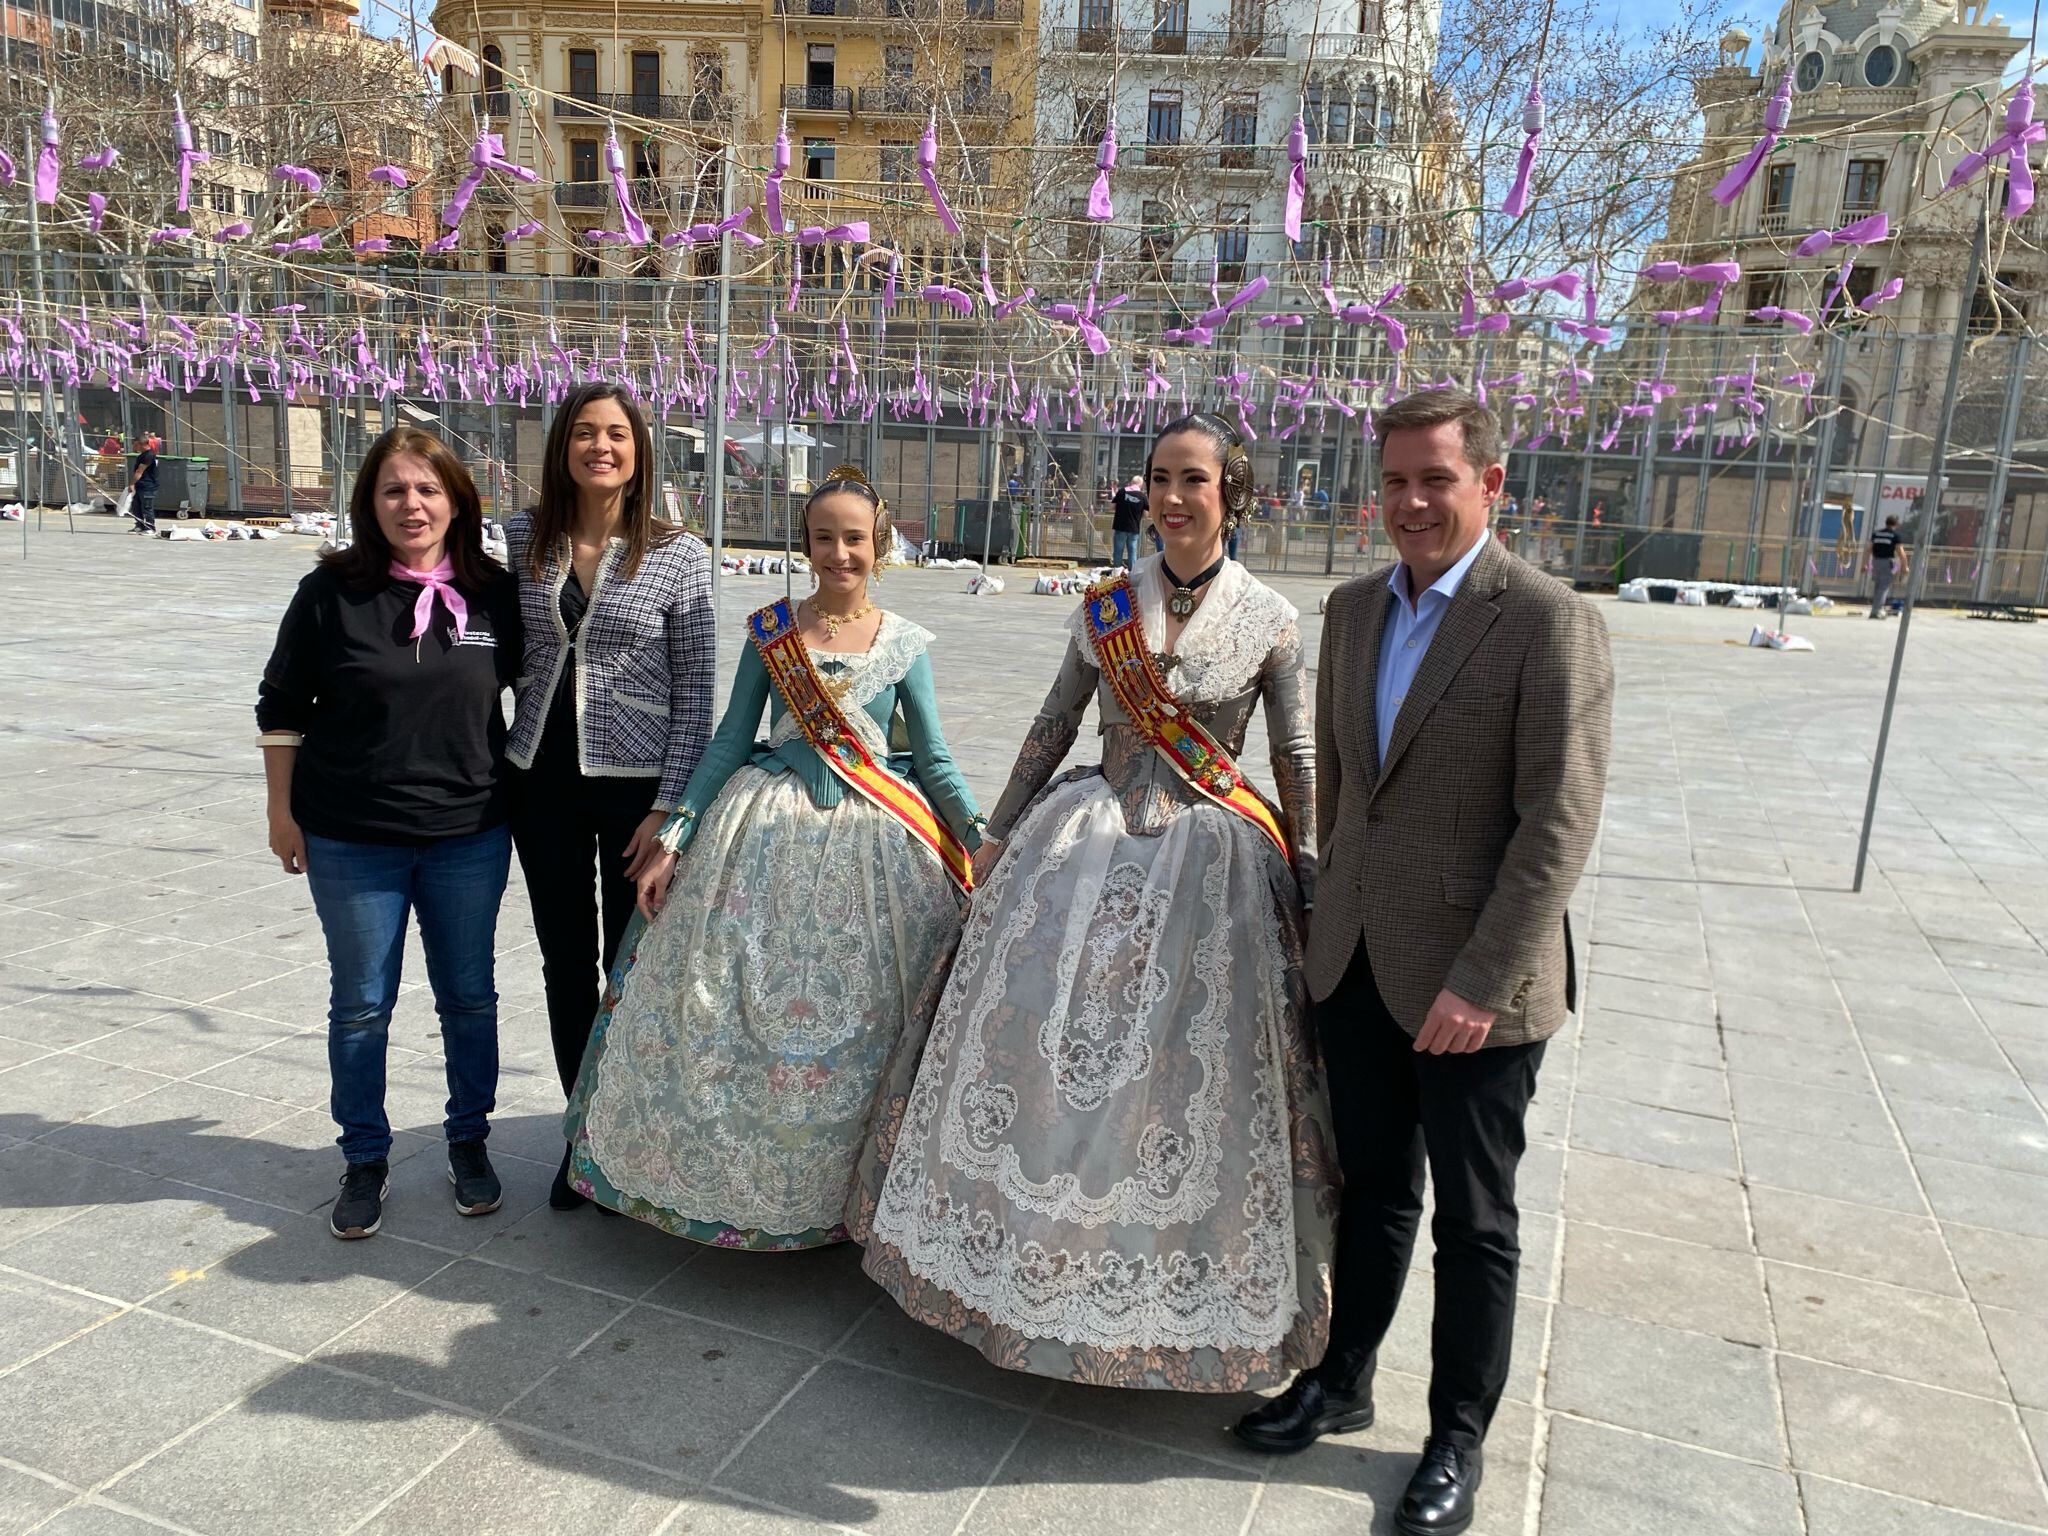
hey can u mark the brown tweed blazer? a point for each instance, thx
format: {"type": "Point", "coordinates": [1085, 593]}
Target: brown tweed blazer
{"type": "Point", "coordinates": [1453, 860]}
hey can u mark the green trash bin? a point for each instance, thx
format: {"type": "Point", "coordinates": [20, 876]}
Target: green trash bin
{"type": "Point", "coordinates": [180, 481]}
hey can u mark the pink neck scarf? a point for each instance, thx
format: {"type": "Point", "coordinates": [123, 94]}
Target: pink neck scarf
{"type": "Point", "coordinates": [439, 581]}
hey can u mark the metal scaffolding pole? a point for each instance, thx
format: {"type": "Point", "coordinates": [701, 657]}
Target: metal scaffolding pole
{"type": "Point", "coordinates": [1930, 508]}
{"type": "Point", "coordinates": [714, 447]}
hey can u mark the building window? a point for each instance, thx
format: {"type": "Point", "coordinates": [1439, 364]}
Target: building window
{"type": "Point", "coordinates": [1098, 21]}
{"type": "Point", "coordinates": [646, 75]}
{"type": "Point", "coordinates": [1813, 67]}
{"type": "Point", "coordinates": [1368, 113]}
{"type": "Point", "coordinates": [1155, 238]}
{"type": "Point", "coordinates": [1778, 198]}
{"type": "Point", "coordinates": [1233, 242]}
{"type": "Point", "coordinates": [819, 157]}
{"type": "Point", "coordinates": [583, 159]}
{"type": "Point", "coordinates": [1162, 118]}
{"type": "Point", "coordinates": [494, 249]}
{"type": "Point", "coordinates": [497, 100]}
{"type": "Point", "coordinates": [1312, 113]}
{"type": "Point", "coordinates": [246, 96]}
{"type": "Point", "coordinates": [1240, 132]}
{"type": "Point", "coordinates": [898, 160]}
{"type": "Point", "coordinates": [978, 76]}
{"type": "Point", "coordinates": [1247, 19]}
{"type": "Point", "coordinates": [1337, 116]}
{"type": "Point", "coordinates": [252, 204]}
{"type": "Point", "coordinates": [899, 63]}
{"type": "Point", "coordinates": [1861, 187]}
{"type": "Point", "coordinates": [1881, 65]}
{"type": "Point", "coordinates": [220, 144]}
{"type": "Point", "coordinates": [221, 199]}
{"type": "Point", "coordinates": [1861, 285]}
{"type": "Point", "coordinates": [707, 73]}
{"type": "Point", "coordinates": [583, 74]}
{"type": "Point", "coordinates": [819, 65]}
{"type": "Point", "coordinates": [213, 37]}
{"type": "Point", "coordinates": [1766, 290]}
{"type": "Point", "coordinates": [646, 160]}
{"type": "Point", "coordinates": [1170, 26]}
{"type": "Point", "coordinates": [245, 47]}
{"type": "Point", "coordinates": [397, 145]}
{"type": "Point", "coordinates": [582, 259]}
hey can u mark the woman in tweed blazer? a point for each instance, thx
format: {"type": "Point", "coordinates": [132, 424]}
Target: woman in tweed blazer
{"type": "Point", "coordinates": [613, 701]}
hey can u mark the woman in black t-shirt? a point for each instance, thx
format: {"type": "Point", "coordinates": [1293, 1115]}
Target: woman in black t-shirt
{"type": "Point", "coordinates": [384, 747]}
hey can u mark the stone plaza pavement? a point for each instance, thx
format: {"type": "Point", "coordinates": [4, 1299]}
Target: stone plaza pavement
{"type": "Point", "coordinates": [1786, 1251]}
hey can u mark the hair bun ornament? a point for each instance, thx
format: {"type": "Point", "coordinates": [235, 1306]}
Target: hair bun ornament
{"type": "Point", "coordinates": [849, 473]}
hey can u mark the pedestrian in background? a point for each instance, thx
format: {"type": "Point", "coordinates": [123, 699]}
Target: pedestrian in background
{"type": "Point", "coordinates": [383, 739]}
{"type": "Point", "coordinates": [142, 487]}
{"type": "Point", "coordinates": [614, 699]}
{"type": "Point", "coordinates": [1888, 558]}
{"type": "Point", "coordinates": [1462, 727]}
{"type": "Point", "coordinates": [1127, 520]}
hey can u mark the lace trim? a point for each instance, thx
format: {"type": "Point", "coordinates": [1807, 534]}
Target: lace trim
{"type": "Point", "coordinates": [863, 675]}
{"type": "Point", "coordinates": [1224, 645]}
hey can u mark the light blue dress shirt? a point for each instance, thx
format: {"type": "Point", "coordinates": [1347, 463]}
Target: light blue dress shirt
{"type": "Point", "coordinates": [1411, 625]}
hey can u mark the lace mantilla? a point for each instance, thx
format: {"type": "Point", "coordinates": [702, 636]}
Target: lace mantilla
{"type": "Point", "coordinates": [860, 676]}
{"type": "Point", "coordinates": [1219, 654]}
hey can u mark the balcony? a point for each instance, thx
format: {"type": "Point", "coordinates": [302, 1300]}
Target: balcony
{"type": "Point", "coordinates": [1173, 43]}
{"type": "Point", "coordinates": [696, 107]}
{"type": "Point", "coordinates": [836, 99]}
{"type": "Point", "coordinates": [1775, 221]}
{"type": "Point", "coordinates": [903, 99]}
{"type": "Point", "coordinates": [993, 12]}
{"type": "Point", "coordinates": [650, 195]}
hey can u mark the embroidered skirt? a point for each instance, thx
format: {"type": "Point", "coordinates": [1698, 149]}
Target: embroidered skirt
{"type": "Point", "coordinates": [726, 1090]}
{"type": "Point", "coordinates": [1109, 1159]}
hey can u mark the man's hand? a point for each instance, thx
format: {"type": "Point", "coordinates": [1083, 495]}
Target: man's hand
{"type": "Point", "coordinates": [1454, 1027]}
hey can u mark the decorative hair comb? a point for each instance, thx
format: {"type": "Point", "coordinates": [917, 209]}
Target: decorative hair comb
{"type": "Point", "coordinates": [848, 471]}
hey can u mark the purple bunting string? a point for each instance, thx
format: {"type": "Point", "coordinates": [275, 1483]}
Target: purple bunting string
{"type": "Point", "coordinates": [49, 159]}
{"type": "Point", "coordinates": [927, 172]}
{"type": "Point", "coordinates": [1864, 231]}
{"type": "Point", "coordinates": [2020, 131]}
{"type": "Point", "coordinates": [1516, 202]}
{"type": "Point", "coordinates": [1777, 113]}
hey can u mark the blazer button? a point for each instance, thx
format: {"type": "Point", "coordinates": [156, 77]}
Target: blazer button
{"type": "Point", "coordinates": [1372, 818]}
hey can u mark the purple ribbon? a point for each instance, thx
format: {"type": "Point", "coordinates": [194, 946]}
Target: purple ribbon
{"type": "Point", "coordinates": [772, 192]}
{"type": "Point", "coordinates": [1801, 323]}
{"type": "Point", "coordinates": [615, 167]}
{"type": "Point", "coordinates": [1100, 209]}
{"type": "Point", "coordinates": [524, 231]}
{"type": "Point", "coordinates": [301, 176]}
{"type": "Point", "coordinates": [390, 175]}
{"type": "Point", "coordinates": [96, 214]}
{"type": "Point", "coordinates": [1517, 201]}
{"type": "Point", "coordinates": [102, 159]}
{"type": "Point", "coordinates": [49, 159]}
{"type": "Point", "coordinates": [1297, 177]}
{"type": "Point", "coordinates": [234, 231]}
{"type": "Point", "coordinates": [2020, 131]}
{"type": "Point", "coordinates": [927, 172]}
{"type": "Point", "coordinates": [1470, 322]}
{"type": "Point", "coordinates": [188, 157]}
{"type": "Point", "coordinates": [837, 234]}
{"type": "Point", "coordinates": [1698, 272]}
{"type": "Point", "coordinates": [1864, 231]}
{"type": "Point", "coordinates": [1777, 113]}
{"type": "Point", "coordinates": [1564, 284]}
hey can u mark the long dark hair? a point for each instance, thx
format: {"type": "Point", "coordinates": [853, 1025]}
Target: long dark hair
{"type": "Point", "coordinates": [556, 513]}
{"type": "Point", "coordinates": [1235, 481]}
{"type": "Point", "coordinates": [367, 560]}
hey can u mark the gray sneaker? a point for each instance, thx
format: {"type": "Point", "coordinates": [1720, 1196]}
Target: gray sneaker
{"type": "Point", "coordinates": [477, 1191]}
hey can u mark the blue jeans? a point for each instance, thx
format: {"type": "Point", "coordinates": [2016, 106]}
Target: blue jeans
{"type": "Point", "coordinates": [1125, 549]}
{"type": "Point", "coordinates": [362, 892]}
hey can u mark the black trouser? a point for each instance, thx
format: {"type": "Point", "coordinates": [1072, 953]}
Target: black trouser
{"type": "Point", "coordinates": [561, 821]}
{"type": "Point", "coordinates": [143, 509]}
{"type": "Point", "coordinates": [1393, 1108]}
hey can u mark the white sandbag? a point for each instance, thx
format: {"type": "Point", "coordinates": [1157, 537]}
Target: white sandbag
{"type": "Point", "coordinates": [1691, 597]}
{"type": "Point", "coordinates": [1745, 600]}
{"type": "Point", "coordinates": [1633, 592]}
{"type": "Point", "coordinates": [1777, 640]}
{"type": "Point", "coordinates": [1795, 605]}
{"type": "Point", "coordinates": [984, 586]}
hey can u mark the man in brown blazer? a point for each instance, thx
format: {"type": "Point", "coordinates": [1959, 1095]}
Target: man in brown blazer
{"type": "Point", "coordinates": [1463, 704]}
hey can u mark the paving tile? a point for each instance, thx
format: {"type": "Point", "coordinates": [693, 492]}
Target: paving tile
{"type": "Point", "coordinates": [855, 1446]}
{"type": "Point", "coordinates": [26, 1500]}
{"type": "Point", "coordinates": [1842, 1509]}
{"type": "Point", "coordinates": [133, 1250]}
{"type": "Point", "coordinates": [1792, 1060]}
{"type": "Point", "coordinates": [1852, 1115]}
{"type": "Point", "coordinates": [310, 1451]}
{"type": "Point", "coordinates": [120, 1392]}
{"type": "Point", "coordinates": [1655, 1000]}
{"type": "Point", "coordinates": [473, 1334]}
{"type": "Point", "coordinates": [96, 1519]}
{"type": "Point", "coordinates": [1062, 1478]}
{"type": "Point", "coordinates": [668, 1391]}
{"type": "Point", "coordinates": [41, 1186]}
{"type": "Point", "coordinates": [1622, 1074]}
{"type": "Point", "coordinates": [59, 1012]}
{"type": "Point", "coordinates": [1986, 1197]}
{"type": "Point", "coordinates": [298, 1287]}
{"type": "Point", "coordinates": [1665, 965]}
{"type": "Point", "coordinates": [1681, 1386]}
{"type": "Point", "coordinates": [293, 1163]}
{"type": "Point", "coordinates": [1968, 1136]}
{"type": "Point", "coordinates": [1599, 1481]}
{"type": "Point", "coordinates": [2000, 1268]}
{"type": "Point", "coordinates": [892, 1341]}
{"type": "Point", "coordinates": [1406, 1347]}
{"type": "Point", "coordinates": [2021, 1341]}
{"type": "Point", "coordinates": [1646, 1134]}
{"type": "Point", "coordinates": [1665, 1202]}
{"type": "Point", "coordinates": [176, 1130]}
{"type": "Point", "coordinates": [1655, 1280]}
{"type": "Point", "coordinates": [34, 1316]}
{"type": "Point", "coordinates": [1852, 1239]}
{"type": "Point", "coordinates": [1901, 1437]}
{"type": "Point", "coordinates": [1817, 1023]}
{"type": "Point", "coordinates": [186, 1041]}
{"type": "Point", "coordinates": [1883, 1328]}
{"type": "Point", "coordinates": [63, 1088]}
{"type": "Point", "coordinates": [505, 1480]}
{"type": "Point", "coordinates": [1921, 1074]}
{"type": "Point", "coordinates": [809, 1299]}
{"type": "Point", "coordinates": [627, 1258]}
{"type": "Point", "coordinates": [1838, 1170]}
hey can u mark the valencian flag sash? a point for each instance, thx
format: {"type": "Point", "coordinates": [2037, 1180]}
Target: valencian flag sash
{"type": "Point", "coordinates": [1132, 672]}
{"type": "Point", "coordinates": [775, 635]}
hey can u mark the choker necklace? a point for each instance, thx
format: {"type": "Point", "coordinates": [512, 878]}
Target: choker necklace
{"type": "Point", "coordinates": [832, 622]}
{"type": "Point", "coordinates": [1181, 602]}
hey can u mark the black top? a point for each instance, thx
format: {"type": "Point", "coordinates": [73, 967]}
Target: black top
{"type": "Point", "coordinates": [558, 734]}
{"type": "Point", "coordinates": [146, 462]}
{"type": "Point", "coordinates": [1129, 513]}
{"type": "Point", "coordinates": [404, 739]}
{"type": "Point", "coordinates": [1884, 544]}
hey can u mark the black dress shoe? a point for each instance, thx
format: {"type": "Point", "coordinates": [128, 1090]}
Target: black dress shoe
{"type": "Point", "coordinates": [560, 1196]}
{"type": "Point", "coordinates": [1301, 1415]}
{"type": "Point", "coordinates": [1440, 1495]}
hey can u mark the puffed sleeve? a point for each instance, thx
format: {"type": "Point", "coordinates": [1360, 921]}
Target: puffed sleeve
{"type": "Point", "coordinates": [1049, 740]}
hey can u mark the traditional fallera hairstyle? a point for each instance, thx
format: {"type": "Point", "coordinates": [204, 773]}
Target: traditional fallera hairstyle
{"type": "Point", "coordinates": [1433, 408]}
{"type": "Point", "coordinates": [555, 513]}
{"type": "Point", "coordinates": [366, 562]}
{"type": "Point", "coordinates": [1236, 479]}
{"type": "Point", "coordinates": [851, 480]}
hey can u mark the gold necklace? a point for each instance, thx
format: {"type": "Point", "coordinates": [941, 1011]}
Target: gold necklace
{"type": "Point", "coordinates": [832, 622]}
